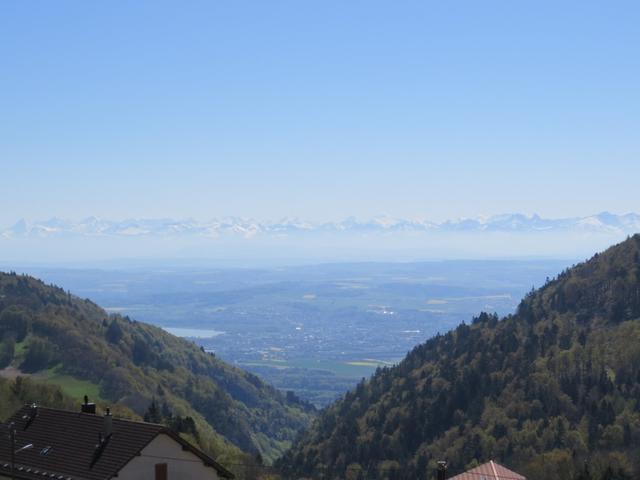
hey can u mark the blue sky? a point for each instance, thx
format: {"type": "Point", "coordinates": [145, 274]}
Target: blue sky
{"type": "Point", "coordinates": [318, 109]}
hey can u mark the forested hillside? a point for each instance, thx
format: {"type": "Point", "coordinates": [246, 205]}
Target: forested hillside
{"type": "Point", "coordinates": [58, 339]}
{"type": "Point", "coordinates": [552, 391]}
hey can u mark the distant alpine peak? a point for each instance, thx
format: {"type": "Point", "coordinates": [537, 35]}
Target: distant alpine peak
{"type": "Point", "coordinates": [604, 222]}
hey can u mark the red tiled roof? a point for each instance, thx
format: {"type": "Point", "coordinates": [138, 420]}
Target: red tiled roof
{"type": "Point", "coordinates": [489, 471]}
{"type": "Point", "coordinates": [71, 439]}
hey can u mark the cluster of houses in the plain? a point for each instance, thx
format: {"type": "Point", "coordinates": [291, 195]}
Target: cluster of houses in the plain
{"type": "Point", "coordinates": [48, 444]}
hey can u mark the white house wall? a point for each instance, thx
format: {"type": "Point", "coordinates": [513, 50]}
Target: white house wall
{"type": "Point", "coordinates": [181, 464]}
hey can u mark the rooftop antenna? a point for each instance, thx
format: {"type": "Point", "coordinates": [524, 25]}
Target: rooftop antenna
{"type": "Point", "coordinates": [12, 436]}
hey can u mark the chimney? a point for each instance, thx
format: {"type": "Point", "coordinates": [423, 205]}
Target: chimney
{"type": "Point", "coordinates": [108, 424]}
{"type": "Point", "coordinates": [87, 407]}
{"type": "Point", "coordinates": [442, 470]}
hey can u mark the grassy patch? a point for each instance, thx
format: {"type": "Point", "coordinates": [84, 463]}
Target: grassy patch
{"type": "Point", "coordinates": [71, 386]}
{"type": "Point", "coordinates": [20, 347]}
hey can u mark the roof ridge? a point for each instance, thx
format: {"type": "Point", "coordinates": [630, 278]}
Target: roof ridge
{"type": "Point", "coordinates": [93, 415]}
{"type": "Point", "coordinates": [493, 467]}
{"type": "Point", "coordinates": [489, 470]}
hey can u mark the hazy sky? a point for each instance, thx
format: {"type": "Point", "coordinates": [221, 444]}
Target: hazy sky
{"type": "Point", "coordinates": [319, 109]}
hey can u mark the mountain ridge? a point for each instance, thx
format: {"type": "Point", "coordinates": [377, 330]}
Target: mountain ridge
{"type": "Point", "coordinates": [553, 391]}
{"type": "Point", "coordinates": [60, 339]}
{"type": "Point", "coordinates": [603, 222]}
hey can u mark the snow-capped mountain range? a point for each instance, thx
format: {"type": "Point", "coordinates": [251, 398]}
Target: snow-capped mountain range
{"type": "Point", "coordinates": [606, 223]}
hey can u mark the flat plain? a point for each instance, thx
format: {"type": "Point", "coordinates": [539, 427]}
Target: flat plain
{"type": "Point", "coordinates": [315, 330]}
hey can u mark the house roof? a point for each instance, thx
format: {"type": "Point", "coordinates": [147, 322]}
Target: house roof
{"type": "Point", "coordinates": [489, 471]}
{"type": "Point", "coordinates": [65, 445]}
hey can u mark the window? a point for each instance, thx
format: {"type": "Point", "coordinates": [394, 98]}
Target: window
{"type": "Point", "coordinates": [45, 450]}
{"type": "Point", "coordinates": [161, 471]}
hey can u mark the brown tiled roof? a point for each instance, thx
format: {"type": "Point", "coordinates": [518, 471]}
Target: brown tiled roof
{"type": "Point", "coordinates": [72, 437]}
{"type": "Point", "coordinates": [489, 471]}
